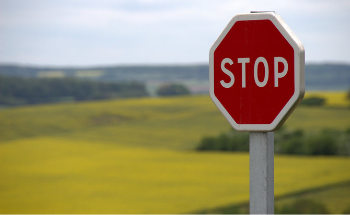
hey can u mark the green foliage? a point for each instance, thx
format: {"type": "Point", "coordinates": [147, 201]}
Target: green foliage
{"type": "Point", "coordinates": [313, 101]}
{"type": "Point", "coordinates": [344, 143]}
{"type": "Point", "coordinates": [326, 142]}
{"type": "Point", "coordinates": [207, 143]}
{"type": "Point", "coordinates": [303, 206]}
{"type": "Point", "coordinates": [232, 141]}
{"type": "Point", "coordinates": [322, 144]}
{"type": "Point", "coordinates": [289, 142]}
{"type": "Point", "coordinates": [20, 91]}
{"type": "Point", "coordinates": [172, 90]}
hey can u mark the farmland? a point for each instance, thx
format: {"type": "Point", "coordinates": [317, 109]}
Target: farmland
{"type": "Point", "coordinates": [136, 156]}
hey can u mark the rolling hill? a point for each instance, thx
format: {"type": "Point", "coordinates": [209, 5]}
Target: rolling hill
{"type": "Point", "coordinates": [136, 156]}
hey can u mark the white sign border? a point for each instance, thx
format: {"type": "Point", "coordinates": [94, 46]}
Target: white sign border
{"type": "Point", "coordinates": [299, 71]}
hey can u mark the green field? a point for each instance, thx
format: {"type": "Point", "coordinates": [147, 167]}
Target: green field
{"type": "Point", "coordinates": [136, 156]}
{"type": "Point", "coordinates": [334, 197]}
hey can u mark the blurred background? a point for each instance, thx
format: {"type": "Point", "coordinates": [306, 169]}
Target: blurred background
{"type": "Point", "coordinates": [104, 108]}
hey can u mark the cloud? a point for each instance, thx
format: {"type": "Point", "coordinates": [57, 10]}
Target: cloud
{"type": "Point", "coordinates": [89, 32]}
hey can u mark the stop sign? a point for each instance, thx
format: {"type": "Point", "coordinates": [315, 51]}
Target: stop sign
{"type": "Point", "coordinates": [256, 72]}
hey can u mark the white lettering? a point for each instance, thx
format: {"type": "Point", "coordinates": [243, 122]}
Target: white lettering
{"type": "Point", "coordinates": [227, 72]}
{"type": "Point", "coordinates": [282, 74]}
{"type": "Point", "coordinates": [259, 83]}
{"type": "Point", "coordinates": [256, 64]}
{"type": "Point", "coordinates": [243, 61]}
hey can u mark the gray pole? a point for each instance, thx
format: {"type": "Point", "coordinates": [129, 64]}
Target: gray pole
{"type": "Point", "coordinates": [261, 172]}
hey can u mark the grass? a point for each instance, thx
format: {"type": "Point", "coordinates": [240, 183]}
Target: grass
{"type": "Point", "coordinates": [335, 197]}
{"type": "Point", "coordinates": [174, 123]}
{"type": "Point", "coordinates": [136, 156]}
{"type": "Point", "coordinates": [318, 118]}
{"type": "Point", "coordinates": [147, 122]}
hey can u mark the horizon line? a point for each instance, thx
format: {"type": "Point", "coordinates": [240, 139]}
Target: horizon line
{"type": "Point", "coordinates": [143, 64]}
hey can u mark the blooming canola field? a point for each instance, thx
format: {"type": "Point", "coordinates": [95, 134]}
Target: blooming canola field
{"type": "Point", "coordinates": [137, 156]}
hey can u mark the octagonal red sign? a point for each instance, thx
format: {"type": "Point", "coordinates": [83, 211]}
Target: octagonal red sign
{"type": "Point", "coordinates": [256, 71]}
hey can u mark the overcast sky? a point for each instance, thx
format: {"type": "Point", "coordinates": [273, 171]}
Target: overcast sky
{"type": "Point", "coordinates": [112, 32]}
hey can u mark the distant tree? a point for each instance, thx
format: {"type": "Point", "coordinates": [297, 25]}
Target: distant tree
{"type": "Point", "coordinates": [313, 101]}
{"type": "Point", "coordinates": [172, 90]}
{"type": "Point", "coordinates": [206, 143]}
{"type": "Point", "coordinates": [323, 144]}
{"type": "Point", "coordinates": [289, 141]}
{"type": "Point", "coordinates": [21, 91]}
{"type": "Point", "coordinates": [297, 142]}
{"type": "Point", "coordinates": [231, 141]}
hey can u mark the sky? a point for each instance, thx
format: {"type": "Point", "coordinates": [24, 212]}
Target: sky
{"type": "Point", "coordinates": [128, 32]}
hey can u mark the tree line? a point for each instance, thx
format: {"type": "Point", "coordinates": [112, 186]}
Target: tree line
{"type": "Point", "coordinates": [16, 91]}
{"type": "Point", "coordinates": [297, 142]}
{"type": "Point", "coordinates": [317, 76]}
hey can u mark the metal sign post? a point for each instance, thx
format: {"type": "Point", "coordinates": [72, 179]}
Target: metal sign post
{"type": "Point", "coordinates": [261, 172]}
{"type": "Point", "coordinates": [256, 79]}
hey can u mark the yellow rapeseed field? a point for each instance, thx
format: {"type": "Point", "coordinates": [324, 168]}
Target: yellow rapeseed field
{"type": "Point", "coordinates": [333, 98]}
{"type": "Point", "coordinates": [136, 156]}
{"type": "Point", "coordinates": [51, 175]}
